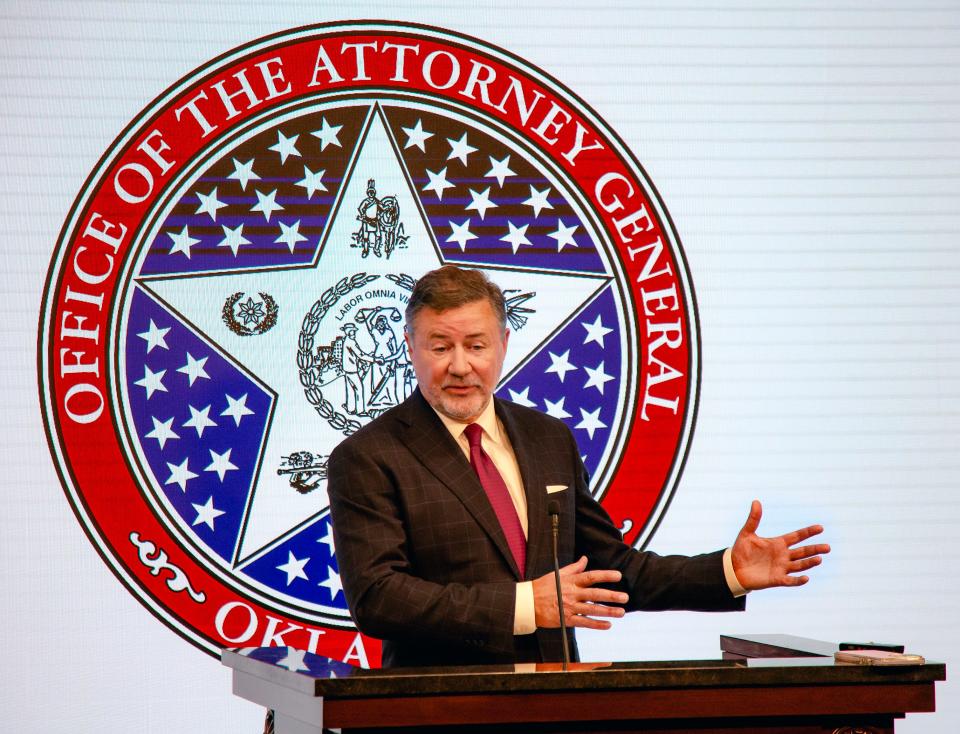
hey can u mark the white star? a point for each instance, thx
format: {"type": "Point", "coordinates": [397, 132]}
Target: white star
{"type": "Point", "coordinates": [517, 236]}
{"type": "Point", "coordinates": [560, 364]}
{"type": "Point", "coordinates": [328, 134]}
{"type": "Point", "coordinates": [193, 369]}
{"type": "Point", "coordinates": [481, 201]}
{"type": "Point", "coordinates": [459, 149]}
{"type": "Point", "coordinates": [556, 409]}
{"type": "Point", "coordinates": [285, 146]}
{"type": "Point", "coordinates": [200, 420]}
{"type": "Point", "coordinates": [180, 474]}
{"type": "Point", "coordinates": [182, 242]}
{"type": "Point", "coordinates": [312, 182]}
{"type": "Point", "coordinates": [598, 378]}
{"type": "Point", "coordinates": [333, 583]}
{"type": "Point", "coordinates": [438, 183]}
{"type": "Point", "coordinates": [290, 235]}
{"type": "Point", "coordinates": [266, 203]}
{"type": "Point", "coordinates": [328, 539]}
{"type": "Point", "coordinates": [590, 422]}
{"type": "Point", "coordinates": [237, 408]}
{"type": "Point", "coordinates": [416, 136]}
{"type": "Point", "coordinates": [233, 238]}
{"type": "Point", "coordinates": [522, 398]}
{"type": "Point", "coordinates": [210, 204]}
{"type": "Point", "coordinates": [154, 337]}
{"type": "Point", "coordinates": [294, 661]}
{"type": "Point", "coordinates": [538, 200]}
{"type": "Point", "coordinates": [152, 381]}
{"type": "Point", "coordinates": [243, 172]}
{"type": "Point", "coordinates": [294, 568]}
{"type": "Point", "coordinates": [220, 463]}
{"type": "Point", "coordinates": [163, 432]}
{"type": "Point", "coordinates": [461, 234]}
{"type": "Point", "coordinates": [207, 513]}
{"type": "Point", "coordinates": [500, 170]}
{"type": "Point", "coordinates": [564, 235]}
{"type": "Point", "coordinates": [595, 331]}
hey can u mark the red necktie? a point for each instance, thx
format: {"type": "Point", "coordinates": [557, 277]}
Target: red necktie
{"type": "Point", "coordinates": [499, 496]}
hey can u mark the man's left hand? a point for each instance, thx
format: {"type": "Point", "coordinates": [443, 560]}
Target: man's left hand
{"type": "Point", "coordinates": [760, 563]}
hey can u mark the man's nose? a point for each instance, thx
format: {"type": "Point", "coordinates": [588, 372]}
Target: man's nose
{"type": "Point", "coordinates": [459, 364]}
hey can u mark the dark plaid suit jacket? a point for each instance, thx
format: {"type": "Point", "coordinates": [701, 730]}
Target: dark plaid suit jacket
{"type": "Point", "coordinates": [426, 567]}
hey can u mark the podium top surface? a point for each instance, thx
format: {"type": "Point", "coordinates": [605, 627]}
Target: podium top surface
{"type": "Point", "coordinates": [319, 676]}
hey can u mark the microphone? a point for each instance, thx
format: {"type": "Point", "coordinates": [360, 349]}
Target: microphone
{"type": "Point", "coordinates": [553, 509]}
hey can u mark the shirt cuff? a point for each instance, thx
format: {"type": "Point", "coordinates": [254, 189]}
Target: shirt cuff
{"type": "Point", "coordinates": [524, 614]}
{"type": "Point", "coordinates": [732, 581]}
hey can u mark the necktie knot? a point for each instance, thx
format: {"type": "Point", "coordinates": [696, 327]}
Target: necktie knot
{"type": "Point", "coordinates": [474, 434]}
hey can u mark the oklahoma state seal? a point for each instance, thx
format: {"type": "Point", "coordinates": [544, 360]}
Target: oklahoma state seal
{"type": "Point", "coordinates": [225, 305]}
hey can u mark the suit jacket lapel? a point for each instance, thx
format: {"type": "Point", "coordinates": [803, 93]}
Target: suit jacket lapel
{"type": "Point", "coordinates": [533, 485]}
{"type": "Point", "coordinates": [429, 440]}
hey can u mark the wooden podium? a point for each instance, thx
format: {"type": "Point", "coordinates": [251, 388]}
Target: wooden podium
{"type": "Point", "coordinates": [765, 683]}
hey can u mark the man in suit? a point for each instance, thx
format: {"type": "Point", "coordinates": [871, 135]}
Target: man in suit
{"type": "Point", "coordinates": [440, 512]}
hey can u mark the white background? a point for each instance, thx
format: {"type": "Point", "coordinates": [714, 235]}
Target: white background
{"type": "Point", "coordinates": [808, 153]}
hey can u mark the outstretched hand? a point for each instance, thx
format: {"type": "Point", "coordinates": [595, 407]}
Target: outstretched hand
{"type": "Point", "coordinates": [760, 563]}
{"type": "Point", "coordinates": [581, 600]}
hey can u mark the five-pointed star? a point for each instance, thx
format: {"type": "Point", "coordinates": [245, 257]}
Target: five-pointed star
{"type": "Point", "coordinates": [210, 204]}
{"type": "Point", "coordinates": [500, 170]}
{"type": "Point", "coordinates": [438, 183]}
{"type": "Point", "coordinates": [243, 172]}
{"type": "Point", "coordinates": [461, 234]}
{"type": "Point", "coordinates": [328, 539]}
{"type": "Point", "coordinates": [460, 149]}
{"type": "Point", "coordinates": [294, 568]}
{"type": "Point", "coordinates": [193, 369]}
{"type": "Point", "coordinates": [328, 134]}
{"type": "Point", "coordinates": [556, 408]}
{"type": "Point", "coordinates": [154, 337]}
{"type": "Point", "coordinates": [285, 147]}
{"type": "Point", "coordinates": [480, 201]}
{"type": "Point", "coordinates": [220, 463]}
{"type": "Point", "coordinates": [597, 377]}
{"type": "Point", "coordinates": [564, 235]}
{"type": "Point", "coordinates": [522, 398]}
{"type": "Point", "coordinates": [290, 235]}
{"type": "Point", "coordinates": [294, 661]}
{"type": "Point", "coordinates": [180, 474]}
{"type": "Point", "coordinates": [595, 331]}
{"type": "Point", "coordinates": [312, 182]}
{"type": "Point", "coordinates": [199, 420]}
{"type": "Point", "coordinates": [517, 236]}
{"type": "Point", "coordinates": [182, 242]}
{"type": "Point", "coordinates": [207, 513]}
{"type": "Point", "coordinates": [237, 408]}
{"type": "Point", "coordinates": [152, 381]}
{"type": "Point", "coordinates": [538, 200]}
{"type": "Point", "coordinates": [233, 238]}
{"type": "Point", "coordinates": [416, 136]}
{"type": "Point", "coordinates": [266, 203]}
{"type": "Point", "coordinates": [590, 422]}
{"type": "Point", "coordinates": [560, 364]}
{"type": "Point", "coordinates": [333, 583]}
{"type": "Point", "coordinates": [162, 431]}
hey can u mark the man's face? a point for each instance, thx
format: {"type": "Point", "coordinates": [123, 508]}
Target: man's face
{"type": "Point", "coordinates": [458, 355]}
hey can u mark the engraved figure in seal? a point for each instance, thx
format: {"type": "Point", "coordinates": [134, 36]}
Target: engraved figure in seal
{"type": "Point", "coordinates": [380, 226]}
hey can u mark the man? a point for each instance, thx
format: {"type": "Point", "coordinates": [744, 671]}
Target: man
{"type": "Point", "coordinates": [440, 521]}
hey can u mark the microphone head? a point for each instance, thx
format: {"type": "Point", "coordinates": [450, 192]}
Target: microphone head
{"type": "Point", "coordinates": [553, 507]}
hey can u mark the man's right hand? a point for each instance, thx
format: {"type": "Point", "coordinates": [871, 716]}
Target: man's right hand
{"type": "Point", "coordinates": [581, 601]}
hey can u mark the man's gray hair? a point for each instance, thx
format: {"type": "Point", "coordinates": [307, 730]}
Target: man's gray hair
{"type": "Point", "coordinates": [451, 287]}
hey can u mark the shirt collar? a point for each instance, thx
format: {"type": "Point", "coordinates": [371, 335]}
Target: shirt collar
{"type": "Point", "coordinates": [487, 420]}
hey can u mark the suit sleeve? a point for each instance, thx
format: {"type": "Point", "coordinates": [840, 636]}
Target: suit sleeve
{"type": "Point", "coordinates": [387, 595]}
{"type": "Point", "coordinates": [653, 582]}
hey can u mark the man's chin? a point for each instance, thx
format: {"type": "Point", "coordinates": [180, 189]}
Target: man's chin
{"type": "Point", "coordinates": [462, 409]}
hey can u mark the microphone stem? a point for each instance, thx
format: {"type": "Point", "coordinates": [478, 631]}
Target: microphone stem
{"type": "Point", "coordinates": [555, 522]}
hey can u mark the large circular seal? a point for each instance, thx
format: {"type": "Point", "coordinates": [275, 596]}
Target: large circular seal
{"type": "Point", "coordinates": [225, 305]}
